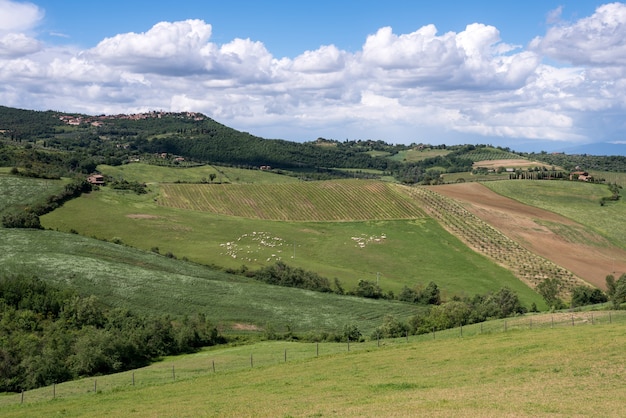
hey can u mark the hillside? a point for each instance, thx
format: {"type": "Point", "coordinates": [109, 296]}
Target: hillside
{"type": "Point", "coordinates": [526, 371]}
{"type": "Point", "coordinates": [353, 232]}
{"type": "Point", "coordinates": [153, 284]}
{"type": "Point", "coordinates": [577, 247]}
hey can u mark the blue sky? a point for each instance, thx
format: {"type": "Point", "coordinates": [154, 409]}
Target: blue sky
{"type": "Point", "coordinates": [542, 75]}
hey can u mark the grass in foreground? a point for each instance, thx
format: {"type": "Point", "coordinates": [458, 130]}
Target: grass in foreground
{"type": "Point", "coordinates": [564, 371]}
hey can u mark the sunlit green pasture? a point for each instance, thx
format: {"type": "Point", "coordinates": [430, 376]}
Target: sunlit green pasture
{"type": "Point", "coordinates": [415, 154]}
{"type": "Point", "coordinates": [146, 173]}
{"type": "Point", "coordinates": [579, 201]}
{"type": "Point", "coordinates": [17, 192]}
{"type": "Point", "coordinates": [530, 371]}
{"type": "Point", "coordinates": [146, 282]}
{"type": "Point", "coordinates": [610, 177]}
{"type": "Point", "coordinates": [393, 252]}
{"type": "Point", "coordinates": [337, 200]}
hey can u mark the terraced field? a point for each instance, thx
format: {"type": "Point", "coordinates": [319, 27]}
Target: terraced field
{"type": "Point", "coordinates": [570, 240]}
{"type": "Point", "coordinates": [482, 237]}
{"type": "Point", "coordinates": [348, 200]}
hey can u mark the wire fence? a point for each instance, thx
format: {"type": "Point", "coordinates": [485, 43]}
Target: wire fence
{"type": "Point", "coordinates": [216, 360]}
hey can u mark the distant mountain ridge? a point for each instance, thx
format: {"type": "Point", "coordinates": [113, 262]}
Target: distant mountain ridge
{"type": "Point", "coordinates": [598, 148]}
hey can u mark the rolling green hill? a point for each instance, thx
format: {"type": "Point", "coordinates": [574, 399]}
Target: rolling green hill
{"type": "Point", "coordinates": [399, 252]}
{"type": "Point", "coordinates": [150, 283]}
{"type": "Point", "coordinates": [525, 371]}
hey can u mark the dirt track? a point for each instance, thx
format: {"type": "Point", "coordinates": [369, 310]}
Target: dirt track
{"type": "Point", "coordinates": [590, 257]}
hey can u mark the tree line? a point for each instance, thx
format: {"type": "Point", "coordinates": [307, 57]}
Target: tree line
{"type": "Point", "coordinates": [49, 335]}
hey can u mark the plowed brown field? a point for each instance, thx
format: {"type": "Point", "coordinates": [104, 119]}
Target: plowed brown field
{"type": "Point", "coordinates": [589, 256]}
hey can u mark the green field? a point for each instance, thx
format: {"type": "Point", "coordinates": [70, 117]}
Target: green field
{"type": "Point", "coordinates": [610, 177]}
{"type": "Point", "coordinates": [149, 283]}
{"type": "Point", "coordinates": [338, 200]}
{"type": "Point", "coordinates": [414, 155]}
{"type": "Point", "coordinates": [146, 173]}
{"type": "Point", "coordinates": [524, 371]}
{"type": "Point", "coordinates": [18, 192]}
{"type": "Point", "coordinates": [396, 252]}
{"type": "Point", "coordinates": [576, 200]}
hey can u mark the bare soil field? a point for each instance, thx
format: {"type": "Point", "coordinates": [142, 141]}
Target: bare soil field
{"type": "Point", "coordinates": [591, 257]}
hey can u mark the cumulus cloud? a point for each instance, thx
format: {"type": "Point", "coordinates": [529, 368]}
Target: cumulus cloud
{"type": "Point", "coordinates": [421, 85]}
{"type": "Point", "coordinates": [170, 48]}
{"type": "Point", "coordinates": [18, 17]}
{"type": "Point", "coordinates": [596, 40]}
{"type": "Point", "coordinates": [16, 20]}
{"type": "Point", "coordinates": [475, 57]}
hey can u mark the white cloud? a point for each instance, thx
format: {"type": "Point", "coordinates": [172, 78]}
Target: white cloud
{"type": "Point", "coordinates": [169, 48]}
{"type": "Point", "coordinates": [596, 40]}
{"type": "Point", "coordinates": [16, 20]}
{"type": "Point", "coordinates": [18, 17]}
{"type": "Point", "coordinates": [398, 87]}
{"type": "Point", "coordinates": [18, 44]}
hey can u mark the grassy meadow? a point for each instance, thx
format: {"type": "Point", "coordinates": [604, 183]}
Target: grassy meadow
{"type": "Point", "coordinates": [524, 371]}
{"type": "Point", "coordinates": [18, 192]}
{"type": "Point", "coordinates": [395, 252]}
{"type": "Point", "coordinates": [576, 200]}
{"type": "Point", "coordinates": [146, 173]}
{"type": "Point", "coordinates": [414, 155]}
{"type": "Point", "coordinates": [150, 283]}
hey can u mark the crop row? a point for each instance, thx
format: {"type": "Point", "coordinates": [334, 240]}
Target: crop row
{"type": "Point", "coordinates": [482, 237]}
{"type": "Point", "coordinates": [307, 201]}
{"type": "Point", "coordinates": [491, 155]}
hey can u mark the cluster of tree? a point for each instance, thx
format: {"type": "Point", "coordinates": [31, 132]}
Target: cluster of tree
{"type": "Point", "coordinates": [281, 274]}
{"type": "Point", "coordinates": [31, 162]}
{"type": "Point", "coordinates": [29, 217]}
{"type": "Point", "coordinates": [615, 163]}
{"type": "Point", "coordinates": [538, 174]}
{"type": "Point", "coordinates": [49, 335]}
{"type": "Point", "coordinates": [582, 295]}
{"type": "Point", "coordinates": [439, 316]}
{"type": "Point", "coordinates": [138, 188]}
{"type": "Point", "coordinates": [614, 188]}
{"type": "Point", "coordinates": [24, 124]}
{"type": "Point", "coordinates": [616, 290]}
{"type": "Point", "coordinates": [429, 295]}
{"type": "Point", "coordinates": [429, 170]}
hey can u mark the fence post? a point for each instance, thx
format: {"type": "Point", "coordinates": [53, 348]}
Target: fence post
{"type": "Point", "coordinates": [173, 373]}
{"type": "Point", "coordinates": [95, 386]}
{"type": "Point", "coordinates": [407, 335]}
{"type": "Point", "coordinates": [572, 320]}
{"type": "Point", "coordinates": [133, 378]}
{"type": "Point", "coordinates": [505, 325]}
{"type": "Point", "coordinates": [54, 390]}
{"type": "Point", "coordinates": [461, 328]}
{"type": "Point", "coordinates": [22, 400]}
{"type": "Point", "coordinates": [610, 317]}
{"type": "Point", "coordinates": [348, 343]}
{"type": "Point", "coordinates": [317, 350]}
{"type": "Point", "coordinates": [213, 366]}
